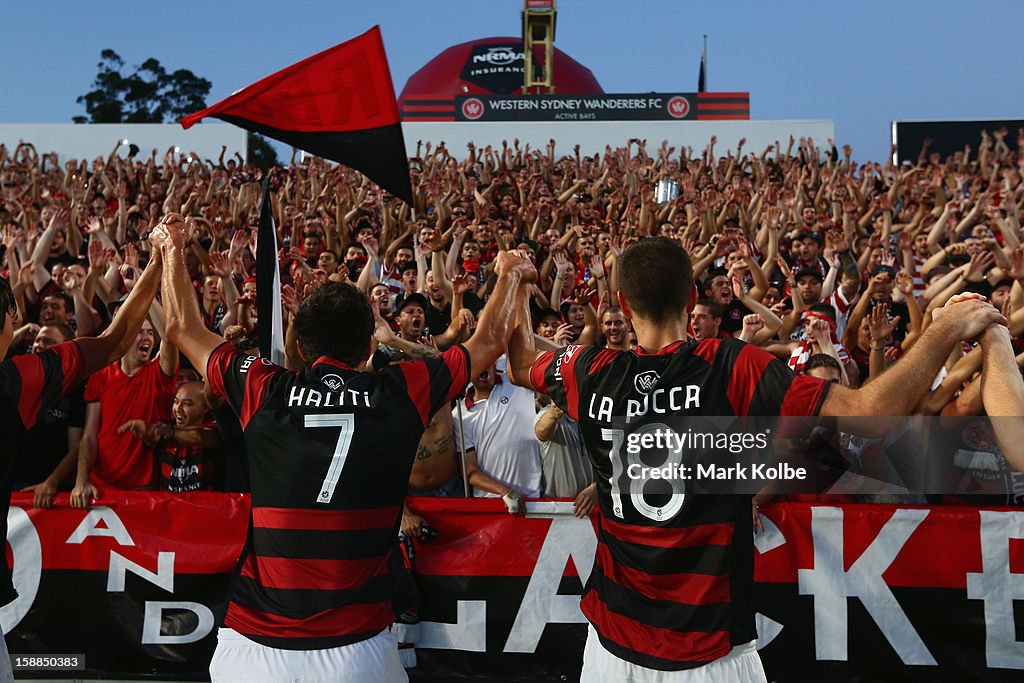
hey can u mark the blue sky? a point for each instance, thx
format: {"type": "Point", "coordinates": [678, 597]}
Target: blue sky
{"type": "Point", "coordinates": [860, 64]}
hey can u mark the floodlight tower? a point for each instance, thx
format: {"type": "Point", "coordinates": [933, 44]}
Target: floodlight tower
{"type": "Point", "coordinates": [538, 29]}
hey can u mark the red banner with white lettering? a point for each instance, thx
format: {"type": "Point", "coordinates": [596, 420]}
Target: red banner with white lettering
{"type": "Point", "coordinates": [844, 592]}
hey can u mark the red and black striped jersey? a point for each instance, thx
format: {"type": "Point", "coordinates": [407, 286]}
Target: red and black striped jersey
{"type": "Point", "coordinates": [330, 450]}
{"type": "Point", "coordinates": [186, 468]}
{"type": "Point", "coordinates": [30, 385]}
{"type": "Point", "coordinates": [671, 584]}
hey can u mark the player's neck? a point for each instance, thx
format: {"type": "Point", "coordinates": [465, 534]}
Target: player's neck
{"type": "Point", "coordinates": [129, 365]}
{"type": "Point", "coordinates": [481, 394]}
{"type": "Point", "coordinates": [652, 337]}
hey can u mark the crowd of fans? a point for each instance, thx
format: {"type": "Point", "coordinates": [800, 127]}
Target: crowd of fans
{"type": "Point", "coordinates": [832, 265]}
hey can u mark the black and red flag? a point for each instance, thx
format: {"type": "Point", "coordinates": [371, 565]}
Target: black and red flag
{"type": "Point", "coordinates": [338, 104]}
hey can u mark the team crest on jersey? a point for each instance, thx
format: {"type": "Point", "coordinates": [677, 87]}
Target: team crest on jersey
{"type": "Point", "coordinates": [646, 381]}
{"type": "Point", "coordinates": [979, 437]}
{"type": "Point", "coordinates": [333, 382]}
{"type": "Point", "coordinates": [564, 358]}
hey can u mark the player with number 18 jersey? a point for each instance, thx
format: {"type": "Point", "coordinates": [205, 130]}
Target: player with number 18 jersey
{"type": "Point", "coordinates": [671, 585]}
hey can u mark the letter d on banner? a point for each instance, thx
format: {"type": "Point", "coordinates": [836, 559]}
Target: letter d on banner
{"type": "Point", "coordinates": [154, 622]}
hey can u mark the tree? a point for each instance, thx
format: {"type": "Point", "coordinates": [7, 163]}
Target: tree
{"type": "Point", "coordinates": [148, 95]}
{"type": "Point", "coordinates": [261, 152]}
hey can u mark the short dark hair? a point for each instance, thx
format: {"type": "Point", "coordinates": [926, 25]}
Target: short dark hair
{"type": "Point", "coordinates": [8, 304]}
{"type": "Point", "coordinates": [705, 284]}
{"type": "Point", "coordinates": [335, 321]}
{"type": "Point", "coordinates": [69, 303]}
{"type": "Point", "coordinates": [613, 309]}
{"type": "Point", "coordinates": [822, 360]}
{"type": "Point", "coordinates": [824, 309]}
{"type": "Point", "coordinates": [656, 277]}
{"type": "Point", "coordinates": [65, 331]}
{"type": "Point", "coordinates": [546, 313]}
{"type": "Point", "coordinates": [714, 308]}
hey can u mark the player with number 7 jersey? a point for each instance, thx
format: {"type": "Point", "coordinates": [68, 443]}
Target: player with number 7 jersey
{"type": "Point", "coordinates": [330, 449]}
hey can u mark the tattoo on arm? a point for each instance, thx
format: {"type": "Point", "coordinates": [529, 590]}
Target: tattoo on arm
{"type": "Point", "coordinates": [441, 445]}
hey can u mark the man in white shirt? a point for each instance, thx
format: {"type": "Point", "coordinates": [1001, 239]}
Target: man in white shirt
{"type": "Point", "coordinates": [497, 420]}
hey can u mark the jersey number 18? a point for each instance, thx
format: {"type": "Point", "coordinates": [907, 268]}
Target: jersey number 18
{"type": "Point", "coordinates": [673, 459]}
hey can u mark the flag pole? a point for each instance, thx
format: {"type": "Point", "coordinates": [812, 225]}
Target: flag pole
{"type": "Point", "coordinates": [704, 62]}
{"type": "Point", "coordinates": [462, 449]}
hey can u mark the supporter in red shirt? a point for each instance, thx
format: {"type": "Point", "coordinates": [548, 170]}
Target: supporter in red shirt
{"type": "Point", "coordinates": [31, 385]}
{"type": "Point", "coordinates": [134, 387]}
{"type": "Point", "coordinates": [185, 447]}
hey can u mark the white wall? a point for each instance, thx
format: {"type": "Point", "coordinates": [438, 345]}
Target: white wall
{"type": "Point", "coordinates": [592, 136]}
{"type": "Point", "coordinates": [88, 141]}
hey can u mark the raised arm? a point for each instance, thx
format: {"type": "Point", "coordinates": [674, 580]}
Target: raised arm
{"type": "Point", "coordinates": [898, 390]}
{"type": "Point", "coordinates": [522, 347]}
{"type": "Point", "coordinates": [185, 328]}
{"type": "Point", "coordinates": [498, 317]}
{"type": "Point", "coordinates": [41, 252]}
{"type": "Point", "coordinates": [99, 352]}
{"type": "Point", "coordinates": [1002, 393]}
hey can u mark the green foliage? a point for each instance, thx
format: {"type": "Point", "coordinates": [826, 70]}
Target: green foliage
{"type": "Point", "coordinates": [148, 95]}
{"type": "Point", "coordinates": [261, 153]}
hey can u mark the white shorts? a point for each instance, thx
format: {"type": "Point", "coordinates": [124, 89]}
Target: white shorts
{"type": "Point", "coordinates": [742, 665]}
{"type": "Point", "coordinates": [240, 660]}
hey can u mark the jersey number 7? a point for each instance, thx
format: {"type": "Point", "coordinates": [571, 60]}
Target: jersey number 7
{"type": "Point", "coordinates": [347, 422]}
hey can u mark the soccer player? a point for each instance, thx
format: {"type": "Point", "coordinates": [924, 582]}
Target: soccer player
{"type": "Point", "coordinates": [330, 449]}
{"type": "Point", "coordinates": [32, 384]}
{"type": "Point", "coordinates": [671, 585]}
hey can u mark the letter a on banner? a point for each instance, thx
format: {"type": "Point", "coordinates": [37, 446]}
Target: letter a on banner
{"type": "Point", "coordinates": [542, 605]}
